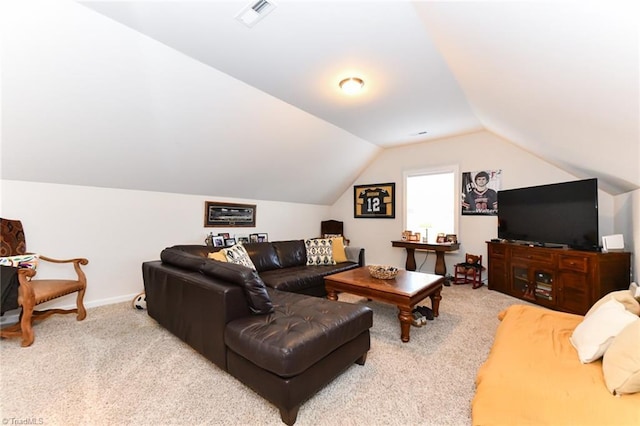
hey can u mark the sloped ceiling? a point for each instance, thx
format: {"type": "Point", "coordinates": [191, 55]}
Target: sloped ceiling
{"type": "Point", "coordinates": [178, 96]}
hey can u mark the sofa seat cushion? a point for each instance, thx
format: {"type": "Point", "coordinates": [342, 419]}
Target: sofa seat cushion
{"type": "Point", "coordinates": [298, 278]}
{"type": "Point", "coordinates": [300, 332]}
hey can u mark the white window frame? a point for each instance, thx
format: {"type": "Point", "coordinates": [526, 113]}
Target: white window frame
{"type": "Point", "coordinates": [455, 169]}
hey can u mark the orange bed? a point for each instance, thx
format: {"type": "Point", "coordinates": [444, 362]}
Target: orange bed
{"type": "Point", "coordinates": [533, 377]}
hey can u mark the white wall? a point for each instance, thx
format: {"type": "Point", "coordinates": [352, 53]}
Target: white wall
{"type": "Point", "coordinates": [117, 229]}
{"type": "Point", "coordinates": [627, 223]}
{"type": "Point", "coordinates": [476, 151]}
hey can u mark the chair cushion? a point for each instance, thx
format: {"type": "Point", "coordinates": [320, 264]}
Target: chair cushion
{"type": "Point", "coordinates": [301, 331]}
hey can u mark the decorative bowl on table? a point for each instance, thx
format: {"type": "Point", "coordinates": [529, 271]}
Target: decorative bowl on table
{"type": "Point", "coordinates": [383, 272]}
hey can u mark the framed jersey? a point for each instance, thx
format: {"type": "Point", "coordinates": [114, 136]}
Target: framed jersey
{"type": "Point", "coordinates": [374, 201]}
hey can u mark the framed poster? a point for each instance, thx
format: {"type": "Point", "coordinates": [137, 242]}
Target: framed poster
{"type": "Point", "coordinates": [229, 215]}
{"type": "Point", "coordinates": [480, 192]}
{"type": "Point", "coordinates": [377, 201]}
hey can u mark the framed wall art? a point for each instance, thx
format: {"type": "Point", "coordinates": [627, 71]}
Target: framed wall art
{"type": "Point", "coordinates": [229, 214]}
{"type": "Point", "coordinates": [376, 201]}
{"type": "Point", "coordinates": [480, 192]}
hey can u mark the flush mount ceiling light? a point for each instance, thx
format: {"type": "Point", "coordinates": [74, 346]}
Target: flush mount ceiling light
{"type": "Point", "coordinates": [351, 85]}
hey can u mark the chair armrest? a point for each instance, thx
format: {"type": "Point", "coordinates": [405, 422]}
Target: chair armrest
{"type": "Point", "coordinates": [355, 254]}
{"type": "Point", "coordinates": [80, 260]}
{"type": "Point", "coordinates": [76, 265]}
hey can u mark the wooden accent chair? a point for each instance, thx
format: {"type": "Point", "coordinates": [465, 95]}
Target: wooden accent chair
{"type": "Point", "coordinates": [470, 271]}
{"type": "Point", "coordinates": [32, 292]}
{"type": "Point", "coordinates": [329, 228]}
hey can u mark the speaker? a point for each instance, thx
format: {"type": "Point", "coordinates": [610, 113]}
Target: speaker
{"type": "Point", "coordinates": [612, 242]}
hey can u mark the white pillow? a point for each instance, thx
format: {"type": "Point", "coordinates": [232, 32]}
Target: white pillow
{"type": "Point", "coordinates": [238, 254]}
{"type": "Point", "coordinates": [594, 334]}
{"type": "Point", "coordinates": [634, 289]}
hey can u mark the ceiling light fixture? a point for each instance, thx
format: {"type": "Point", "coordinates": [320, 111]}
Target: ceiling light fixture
{"type": "Point", "coordinates": [351, 85]}
{"type": "Point", "coordinates": [255, 11]}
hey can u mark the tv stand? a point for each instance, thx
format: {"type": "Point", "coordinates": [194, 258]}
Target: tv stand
{"type": "Point", "coordinates": [559, 278]}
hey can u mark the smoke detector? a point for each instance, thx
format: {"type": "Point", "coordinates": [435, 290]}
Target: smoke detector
{"type": "Point", "coordinates": [255, 11]}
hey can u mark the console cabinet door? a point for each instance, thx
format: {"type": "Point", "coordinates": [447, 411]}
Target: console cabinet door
{"type": "Point", "coordinates": [498, 277]}
{"type": "Point", "coordinates": [574, 284]}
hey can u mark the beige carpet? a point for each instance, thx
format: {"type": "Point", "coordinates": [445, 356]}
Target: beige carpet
{"type": "Point", "coordinates": [119, 367]}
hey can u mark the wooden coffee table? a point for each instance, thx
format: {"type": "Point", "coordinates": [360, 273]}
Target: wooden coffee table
{"type": "Point", "coordinates": [404, 291]}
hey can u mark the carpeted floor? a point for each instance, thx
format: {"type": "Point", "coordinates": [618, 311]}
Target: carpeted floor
{"type": "Point", "coordinates": [119, 367]}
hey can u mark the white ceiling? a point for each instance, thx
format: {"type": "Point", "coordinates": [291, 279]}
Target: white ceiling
{"type": "Point", "coordinates": [560, 79]}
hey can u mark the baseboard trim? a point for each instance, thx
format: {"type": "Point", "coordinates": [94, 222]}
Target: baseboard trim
{"type": "Point", "coordinates": [12, 317]}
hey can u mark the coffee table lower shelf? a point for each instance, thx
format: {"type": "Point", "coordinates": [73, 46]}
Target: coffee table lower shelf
{"type": "Point", "coordinates": [405, 291]}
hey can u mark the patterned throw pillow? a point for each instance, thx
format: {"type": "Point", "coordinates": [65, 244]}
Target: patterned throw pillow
{"type": "Point", "coordinates": [319, 252]}
{"type": "Point", "coordinates": [21, 261]}
{"type": "Point", "coordinates": [238, 255]}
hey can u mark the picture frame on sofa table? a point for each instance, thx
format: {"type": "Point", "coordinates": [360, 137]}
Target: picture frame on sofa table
{"type": "Point", "coordinates": [218, 214]}
{"type": "Point", "coordinates": [218, 241]}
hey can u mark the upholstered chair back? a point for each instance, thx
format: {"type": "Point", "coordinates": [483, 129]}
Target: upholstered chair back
{"type": "Point", "coordinates": [12, 240]}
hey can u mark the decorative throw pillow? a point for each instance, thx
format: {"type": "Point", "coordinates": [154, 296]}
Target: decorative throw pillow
{"type": "Point", "coordinates": [622, 296]}
{"type": "Point", "coordinates": [319, 252]}
{"type": "Point", "coordinates": [238, 255]}
{"type": "Point", "coordinates": [21, 261]}
{"type": "Point", "coordinates": [218, 255]}
{"type": "Point", "coordinates": [621, 362]}
{"type": "Point", "coordinates": [634, 289]}
{"type": "Point", "coordinates": [594, 334]}
{"type": "Point", "coordinates": [337, 247]}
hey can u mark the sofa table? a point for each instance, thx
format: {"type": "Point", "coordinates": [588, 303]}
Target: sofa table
{"type": "Point", "coordinates": [439, 248]}
{"type": "Point", "coordinates": [405, 291]}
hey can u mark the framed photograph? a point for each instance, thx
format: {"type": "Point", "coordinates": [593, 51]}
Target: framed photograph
{"type": "Point", "coordinates": [229, 215]}
{"type": "Point", "coordinates": [452, 238]}
{"type": "Point", "coordinates": [441, 238]}
{"type": "Point", "coordinates": [253, 238]}
{"type": "Point", "coordinates": [224, 235]}
{"type": "Point", "coordinates": [218, 241]}
{"type": "Point", "coordinates": [263, 238]}
{"type": "Point", "coordinates": [376, 201]}
{"type": "Point", "coordinates": [242, 239]}
{"type": "Point", "coordinates": [230, 242]}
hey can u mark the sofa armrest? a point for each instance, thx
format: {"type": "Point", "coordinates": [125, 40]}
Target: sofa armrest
{"type": "Point", "coordinates": [355, 254]}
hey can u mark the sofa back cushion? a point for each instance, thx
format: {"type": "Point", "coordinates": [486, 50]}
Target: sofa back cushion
{"type": "Point", "coordinates": [263, 256]}
{"type": "Point", "coordinates": [182, 258]}
{"type": "Point", "coordinates": [253, 286]}
{"type": "Point", "coordinates": [291, 253]}
{"type": "Point", "coordinates": [195, 249]}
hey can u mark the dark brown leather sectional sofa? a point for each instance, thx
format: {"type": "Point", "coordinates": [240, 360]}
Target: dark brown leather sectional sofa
{"type": "Point", "coordinates": [261, 326]}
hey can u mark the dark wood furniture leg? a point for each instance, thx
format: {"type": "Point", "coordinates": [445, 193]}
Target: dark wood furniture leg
{"type": "Point", "coordinates": [441, 267]}
{"type": "Point", "coordinates": [405, 323]}
{"type": "Point", "coordinates": [435, 302]}
{"type": "Point", "coordinates": [410, 264]}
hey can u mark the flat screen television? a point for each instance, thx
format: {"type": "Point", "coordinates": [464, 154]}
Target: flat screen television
{"type": "Point", "coordinates": [560, 214]}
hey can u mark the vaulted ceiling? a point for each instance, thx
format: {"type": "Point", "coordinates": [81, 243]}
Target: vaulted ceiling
{"type": "Point", "coordinates": [179, 96]}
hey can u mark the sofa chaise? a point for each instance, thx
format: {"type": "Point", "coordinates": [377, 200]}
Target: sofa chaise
{"type": "Point", "coordinates": [280, 342]}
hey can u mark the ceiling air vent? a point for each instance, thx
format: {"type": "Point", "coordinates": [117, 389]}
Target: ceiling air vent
{"type": "Point", "coordinates": [255, 11]}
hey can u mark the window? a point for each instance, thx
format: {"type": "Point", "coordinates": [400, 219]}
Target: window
{"type": "Point", "coordinates": [431, 202]}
